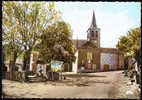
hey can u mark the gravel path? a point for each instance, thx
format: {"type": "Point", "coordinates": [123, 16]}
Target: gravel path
{"type": "Point", "coordinates": [76, 87]}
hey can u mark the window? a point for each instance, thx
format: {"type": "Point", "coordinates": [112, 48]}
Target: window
{"type": "Point", "coordinates": [89, 55]}
{"type": "Point", "coordinates": [96, 34]}
{"type": "Point", "coordinates": [92, 34]}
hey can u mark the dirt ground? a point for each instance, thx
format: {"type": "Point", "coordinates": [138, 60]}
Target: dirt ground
{"type": "Point", "coordinates": [90, 85]}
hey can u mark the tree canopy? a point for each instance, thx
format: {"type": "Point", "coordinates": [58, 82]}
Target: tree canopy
{"type": "Point", "coordinates": [30, 25]}
{"type": "Point", "coordinates": [23, 23]}
{"type": "Point", "coordinates": [56, 43]}
{"type": "Point", "coordinates": [26, 21]}
{"type": "Point", "coordinates": [130, 45]}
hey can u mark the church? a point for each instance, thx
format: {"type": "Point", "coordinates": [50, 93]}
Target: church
{"type": "Point", "coordinates": [91, 56]}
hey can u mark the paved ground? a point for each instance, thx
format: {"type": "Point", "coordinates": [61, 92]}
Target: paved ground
{"type": "Point", "coordinates": [91, 85]}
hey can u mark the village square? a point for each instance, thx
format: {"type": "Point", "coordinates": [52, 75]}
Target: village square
{"type": "Point", "coordinates": [44, 54]}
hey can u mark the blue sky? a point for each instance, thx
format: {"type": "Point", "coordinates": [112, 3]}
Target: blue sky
{"type": "Point", "coordinates": [113, 18]}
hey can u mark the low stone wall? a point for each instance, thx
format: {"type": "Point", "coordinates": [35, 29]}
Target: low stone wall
{"type": "Point", "coordinates": [17, 76]}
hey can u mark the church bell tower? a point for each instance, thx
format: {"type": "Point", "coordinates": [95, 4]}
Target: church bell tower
{"type": "Point", "coordinates": [93, 32]}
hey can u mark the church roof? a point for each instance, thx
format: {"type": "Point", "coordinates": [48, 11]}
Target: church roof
{"type": "Point", "coordinates": [78, 43]}
{"type": "Point", "coordinates": [88, 44]}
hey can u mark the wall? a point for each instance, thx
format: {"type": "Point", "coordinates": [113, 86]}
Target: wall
{"type": "Point", "coordinates": [112, 57]}
{"type": "Point", "coordinates": [121, 61]}
{"type": "Point", "coordinates": [109, 59]}
{"type": "Point", "coordinates": [100, 57]}
{"type": "Point", "coordinates": [94, 62]}
{"type": "Point", "coordinates": [74, 65]}
{"type": "Point", "coordinates": [67, 67]}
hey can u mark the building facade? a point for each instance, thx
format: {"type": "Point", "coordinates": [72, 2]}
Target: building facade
{"type": "Point", "coordinates": [93, 57]}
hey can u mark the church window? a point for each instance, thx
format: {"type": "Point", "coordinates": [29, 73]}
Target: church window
{"type": "Point", "coordinates": [92, 34]}
{"type": "Point", "coordinates": [89, 56]}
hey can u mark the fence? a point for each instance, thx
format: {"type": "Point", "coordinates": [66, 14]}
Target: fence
{"type": "Point", "coordinates": [19, 76]}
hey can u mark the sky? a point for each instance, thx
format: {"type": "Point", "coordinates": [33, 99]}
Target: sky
{"type": "Point", "coordinates": [113, 18]}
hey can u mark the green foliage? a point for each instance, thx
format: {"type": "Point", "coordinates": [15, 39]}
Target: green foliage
{"type": "Point", "coordinates": [130, 45]}
{"type": "Point", "coordinates": [23, 23]}
{"type": "Point", "coordinates": [56, 43]}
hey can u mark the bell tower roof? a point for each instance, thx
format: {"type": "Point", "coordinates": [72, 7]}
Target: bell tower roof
{"type": "Point", "coordinates": [93, 32]}
{"type": "Point", "coordinates": [93, 20]}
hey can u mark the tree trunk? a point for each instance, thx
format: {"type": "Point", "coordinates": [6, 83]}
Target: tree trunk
{"type": "Point", "coordinates": [138, 59]}
{"type": "Point", "coordinates": [3, 66]}
{"type": "Point", "coordinates": [62, 70]}
{"type": "Point", "coordinates": [26, 61]}
{"type": "Point", "coordinates": [13, 66]}
{"type": "Point", "coordinates": [11, 69]}
{"type": "Point", "coordinates": [3, 57]}
{"type": "Point", "coordinates": [52, 75]}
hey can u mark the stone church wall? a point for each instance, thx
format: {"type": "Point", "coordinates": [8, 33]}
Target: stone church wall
{"type": "Point", "coordinates": [89, 58]}
{"type": "Point", "coordinates": [100, 59]}
{"type": "Point", "coordinates": [109, 59]}
{"type": "Point", "coordinates": [112, 58]}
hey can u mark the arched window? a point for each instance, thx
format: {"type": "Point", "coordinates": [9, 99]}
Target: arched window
{"type": "Point", "coordinates": [92, 34]}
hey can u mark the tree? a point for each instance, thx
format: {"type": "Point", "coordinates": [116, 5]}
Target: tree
{"type": "Point", "coordinates": [56, 43]}
{"type": "Point", "coordinates": [26, 21]}
{"type": "Point", "coordinates": [11, 48]}
{"type": "Point", "coordinates": [130, 45]}
{"type": "Point", "coordinates": [135, 43]}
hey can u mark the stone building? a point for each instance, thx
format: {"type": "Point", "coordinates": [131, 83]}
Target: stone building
{"type": "Point", "coordinates": [93, 57]}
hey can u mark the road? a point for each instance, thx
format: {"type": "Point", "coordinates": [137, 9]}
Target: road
{"type": "Point", "coordinates": [102, 85]}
